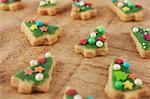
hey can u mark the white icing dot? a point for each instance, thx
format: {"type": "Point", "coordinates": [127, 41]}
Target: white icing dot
{"type": "Point", "coordinates": [126, 1]}
{"type": "Point", "coordinates": [81, 3]}
{"type": "Point", "coordinates": [99, 44]}
{"type": "Point", "coordinates": [42, 3]}
{"type": "Point", "coordinates": [135, 29]}
{"type": "Point", "coordinates": [116, 67]}
{"type": "Point", "coordinates": [48, 55]}
{"type": "Point", "coordinates": [53, 1]}
{"type": "Point", "coordinates": [77, 97]}
{"type": "Point", "coordinates": [145, 33]}
{"type": "Point", "coordinates": [39, 77]}
{"type": "Point", "coordinates": [93, 34]}
{"type": "Point", "coordinates": [144, 47]}
{"type": "Point", "coordinates": [33, 63]}
{"type": "Point", "coordinates": [147, 29]}
{"type": "Point", "coordinates": [120, 4]}
{"type": "Point", "coordinates": [138, 82]}
{"type": "Point", "coordinates": [143, 43]}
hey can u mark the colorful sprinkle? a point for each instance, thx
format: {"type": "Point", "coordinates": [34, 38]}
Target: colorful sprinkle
{"type": "Point", "coordinates": [132, 76]}
{"type": "Point", "coordinates": [33, 63]}
{"type": "Point", "coordinates": [83, 42]}
{"type": "Point", "coordinates": [138, 82]}
{"type": "Point", "coordinates": [119, 61]}
{"type": "Point", "coordinates": [44, 29]}
{"type": "Point", "coordinates": [103, 39]}
{"type": "Point", "coordinates": [91, 40]}
{"type": "Point", "coordinates": [3, 0]}
{"type": "Point", "coordinates": [128, 85]}
{"type": "Point", "coordinates": [126, 9]}
{"type": "Point", "coordinates": [119, 75]}
{"type": "Point", "coordinates": [126, 65]}
{"type": "Point", "coordinates": [138, 6]}
{"type": "Point", "coordinates": [114, 1]}
{"type": "Point", "coordinates": [147, 37]}
{"type": "Point", "coordinates": [71, 92]}
{"type": "Point", "coordinates": [39, 69]}
{"type": "Point", "coordinates": [39, 76]}
{"type": "Point", "coordinates": [28, 72]}
{"type": "Point", "coordinates": [41, 61]}
{"type": "Point", "coordinates": [39, 23]}
{"type": "Point", "coordinates": [99, 44]}
{"type": "Point", "coordinates": [116, 67]}
{"type": "Point", "coordinates": [135, 29]}
{"type": "Point", "coordinates": [118, 85]}
{"type": "Point", "coordinates": [33, 27]}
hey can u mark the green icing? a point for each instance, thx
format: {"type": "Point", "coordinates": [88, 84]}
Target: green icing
{"type": "Point", "coordinates": [132, 7]}
{"type": "Point", "coordinates": [48, 5]}
{"type": "Point", "coordinates": [140, 37]}
{"type": "Point", "coordinates": [93, 46]}
{"type": "Point", "coordinates": [124, 73]}
{"type": "Point", "coordinates": [82, 8]}
{"type": "Point", "coordinates": [47, 66]}
{"type": "Point", "coordinates": [8, 2]}
{"type": "Point", "coordinates": [39, 33]}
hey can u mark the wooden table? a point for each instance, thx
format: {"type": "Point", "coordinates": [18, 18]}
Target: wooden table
{"type": "Point", "coordinates": [88, 76]}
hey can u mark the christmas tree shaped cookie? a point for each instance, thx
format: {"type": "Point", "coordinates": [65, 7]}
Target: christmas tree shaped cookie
{"type": "Point", "coordinates": [12, 5]}
{"type": "Point", "coordinates": [93, 45]}
{"type": "Point", "coordinates": [82, 10]}
{"type": "Point", "coordinates": [123, 83]}
{"type": "Point", "coordinates": [35, 77]}
{"type": "Point", "coordinates": [40, 33]}
{"type": "Point", "coordinates": [141, 37]}
{"type": "Point", "coordinates": [72, 94]}
{"type": "Point", "coordinates": [126, 10]}
{"type": "Point", "coordinates": [49, 7]}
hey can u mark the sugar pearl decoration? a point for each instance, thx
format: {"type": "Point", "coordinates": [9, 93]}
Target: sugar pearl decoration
{"type": "Point", "coordinates": [144, 47]}
{"type": "Point", "coordinates": [120, 4]}
{"type": "Point", "coordinates": [48, 55]}
{"type": "Point", "coordinates": [138, 82]}
{"type": "Point", "coordinates": [93, 34]}
{"type": "Point", "coordinates": [143, 43]}
{"type": "Point", "coordinates": [81, 3]}
{"type": "Point", "coordinates": [99, 44]}
{"type": "Point", "coordinates": [126, 1]}
{"type": "Point", "coordinates": [116, 67]}
{"type": "Point", "coordinates": [42, 3]}
{"type": "Point", "coordinates": [135, 29]}
{"type": "Point", "coordinates": [33, 63]}
{"type": "Point", "coordinates": [77, 97]}
{"type": "Point", "coordinates": [53, 1]}
{"type": "Point", "coordinates": [39, 77]}
{"type": "Point", "coordinates": [145, 33]}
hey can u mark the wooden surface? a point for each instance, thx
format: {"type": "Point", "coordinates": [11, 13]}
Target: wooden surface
{"type": "Point", "coordinates": [88, 76]}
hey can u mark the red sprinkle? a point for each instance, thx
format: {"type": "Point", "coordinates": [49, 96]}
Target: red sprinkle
{"type": "Point", "coordinates": [101, 39]}
{"type": "Point", "coordinates": [3, 0]}
{"type": "Point", "coordinates": [119, 61]}
{"type": "Point", "coordinates": [75, 0]}
{"type": "Point", "coordinates": [71, 92]}
{"type": "Point", "coordinates": [88, 4]}
{"type": "Point", "coordinates": [132, 76]}
{"type": "Point", "coordinates": [147, 37]}
{"type": "Point", "coordinates": [138, 6]}
{"type": "Point", "coordinates": [83, 42]}
{"type": "Point", "coordinates": [41, 61]}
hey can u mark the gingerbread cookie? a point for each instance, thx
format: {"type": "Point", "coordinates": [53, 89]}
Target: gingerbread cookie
{"type": "Point", "coordinates": [82, 10]}
{"type": "Point", "coordinates": [93, 45]}
{"type": "Point", "coordinates": [126, 10]}
{"type": "Point", "coordinates": [11, 5]}
{"type": "Point", "coordinates": [40, 33]}
{"type": "Point", "coordinates": [52, 7]}
{"type": "Point", "coordinates": [72, 94]}
{"type": "Point", "coordinates": [123, 83]}
{"type": "Point", "coordinates": [35, 77]}
{"type": "Point", "coordinates": [141, 37]}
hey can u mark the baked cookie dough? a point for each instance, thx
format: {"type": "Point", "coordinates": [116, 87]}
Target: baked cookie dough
{"type": "Point", "coordinates": [123, 83]}
{"type": "Point", "coordinates": [141, 37]}
{"type": "Point", "coordinates": [11, 5]}
{"type": "Point", "coordinates": [71, 93]}
{"type": "Point", "coordinates": [35, 77]}
{"type": "Point", "coordinates": [52, 7]}
{"type": "Point", "coordinates": [39, 32]}
{"type": "Point", "coordinates": [82, 10]}
{"type": "Point", "coordinates": [126, 10]}
{"type": "Point", "coordinates": [93, 45]}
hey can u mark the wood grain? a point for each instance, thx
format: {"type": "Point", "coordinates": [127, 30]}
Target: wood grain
{"type": "Point", "coordinates": [88, 76]}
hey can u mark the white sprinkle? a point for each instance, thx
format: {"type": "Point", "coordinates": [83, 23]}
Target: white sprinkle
{"type": "Point", "coordinates": [99, 44]}
{"type": "Point", "coordinates": [33, 63]}
{"type": "Point", "coordinates": [120, 4]}
{"type": "Point", "coordinates": [77, 97]}
{"type": "Point", "coordinates": [39, 77]}
{"type": "Point", "coordinates": [135, 29]}
{"type": "Point", "coordinates": [93, 34]}
{"type": "Point", "coordinates": [143, 43]}
{"type": "Point", "coordinates": [116, 67]}
{"type": "Point", "coordinates": [42, 3]}
{"type": "Point", "coordinates": [138, 82]}
{"type": "Point", "coordinates": [144, 47]}
{"type": "Point", "coordinates": [48, 55]}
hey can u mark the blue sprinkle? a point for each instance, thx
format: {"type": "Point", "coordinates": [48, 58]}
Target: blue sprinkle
{"type": "Point", "coordinates": [114, 1]}
{"type": "Point", "coordinates": [126, 65]}
{"type": "Point", "coordinates": [90, 97]}
{"type": "Point", "coordinates": [39, 23]}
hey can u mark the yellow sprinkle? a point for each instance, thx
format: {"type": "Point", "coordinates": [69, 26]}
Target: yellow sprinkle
{"type": "Point", "coordinates": [125, 9]}
{"type": "Point", "coordinates": [33, 27]}
{"type": "Point", "coordinates": [128, 85]}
